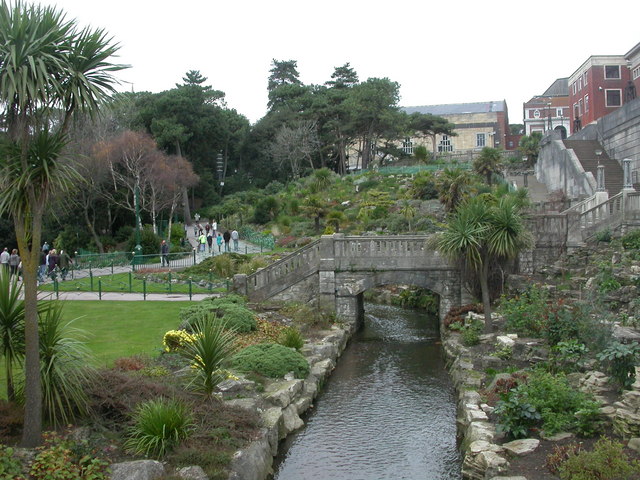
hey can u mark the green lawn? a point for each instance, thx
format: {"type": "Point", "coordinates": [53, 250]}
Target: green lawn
{"type": "Point", "coordinates": [119, 328]}
{"type": "Point", "coordinates": [123, 282]}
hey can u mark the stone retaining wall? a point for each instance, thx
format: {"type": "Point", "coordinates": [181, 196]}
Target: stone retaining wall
{"type": "Point", "coordinates": [283, 403]}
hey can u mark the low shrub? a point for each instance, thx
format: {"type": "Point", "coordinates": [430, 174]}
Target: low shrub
{"type": "Point", "coordinates": [607, 461]}
{"type": "Point", "coordinates": [560, 455]}
{"type": "Point", "coordinates": [516, 416]}
{"type": "Point", "coordinates": [620, 360]}
{"type": "Point", "coordinates": [291, 337]}
{"type": "Point", "coordinates": [525, 314]}
{"type": "Point", "coordinates": [456, 315]}
{"type": "Point", "coordinates": [631, 241]}
{"type": "Point", "coordinates": [557, 406]}
{"type": "Point", "coordinates": [176, 340]}
{"type": "Point", "coordinates": [132, 363]}
{"type": "Point", "coordinates": [237, 317]}
{"type": "Point", "coordinates": [57, 460]}
{"type": "Point", "coordinates": [10, 465]}
{"type": "Point", "coordinates": [271, 360]}
{"type": "Point", "coordinates": [159, 425]}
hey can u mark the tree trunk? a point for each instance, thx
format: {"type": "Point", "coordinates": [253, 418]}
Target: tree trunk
{"type": "Point", "coordinates": [32, 429]}
{"type": "Point", "coordinates": [92, 230]}
{"type": "Point", "coordinates": [486, 301]}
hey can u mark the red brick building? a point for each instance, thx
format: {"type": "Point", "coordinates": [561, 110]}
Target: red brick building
{"type": "Point", "coordinates": [597, 88]}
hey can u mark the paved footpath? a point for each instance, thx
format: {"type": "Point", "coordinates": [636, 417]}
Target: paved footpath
{"type": "Point", "coordinates": [130, 297]}
{"type": "Point", "coordinates": [243, 247]}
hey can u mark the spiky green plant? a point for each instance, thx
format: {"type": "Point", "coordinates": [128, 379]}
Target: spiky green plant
{"type": "Point", "coordinates": [212, 344]}
{"type": "Point", "coordinates": [65, 367]}
{"type": "Point", "coordinates": [160, 424]}
{"type": "Point", "coordinates": [11, 327]}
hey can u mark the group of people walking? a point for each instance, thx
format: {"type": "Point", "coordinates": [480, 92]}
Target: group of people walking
{"type": "Point", "coordinates": [209, 232]}
{"type": "Point", "coordinates": [52, 263]}
{"type": "Point", "coordinates": [10, 262]}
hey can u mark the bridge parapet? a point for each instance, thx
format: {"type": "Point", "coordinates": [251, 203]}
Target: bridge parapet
{"type": "Point", "coordinates": [278, 276]}
{"type": "Point", "coordinates": [397, 252]}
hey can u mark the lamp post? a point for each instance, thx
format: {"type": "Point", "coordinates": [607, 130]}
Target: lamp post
{"type": "Point", "coordinates": [549, 115]}
{"type": "Point", "coordinates": [137, 251]}
{"type": "Point", "coordinates": [220, 170]}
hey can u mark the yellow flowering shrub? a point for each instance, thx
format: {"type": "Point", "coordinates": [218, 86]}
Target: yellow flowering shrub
{"type": "Point", "coordinates": [176, 339]}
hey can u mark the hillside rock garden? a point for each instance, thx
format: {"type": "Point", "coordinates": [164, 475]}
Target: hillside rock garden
{"type": "Point", "coordinates": [553, 393]}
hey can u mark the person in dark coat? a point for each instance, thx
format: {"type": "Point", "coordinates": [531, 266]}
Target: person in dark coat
{"type": "Point", "coordinates": [227, 237]}
{"type": "Point", "coordinates": [164, 252]}
{"type": "Point", "coordinates": [52, 262]}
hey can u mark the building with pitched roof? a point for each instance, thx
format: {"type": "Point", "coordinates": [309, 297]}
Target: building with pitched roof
{"type": "Point", "coordinates": [477, 125]}
{"type": "Point", "coordinates": [549, 111]}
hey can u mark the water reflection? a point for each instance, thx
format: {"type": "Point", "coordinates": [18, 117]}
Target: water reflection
{"type": "Point", "coordinates": [387, 412]}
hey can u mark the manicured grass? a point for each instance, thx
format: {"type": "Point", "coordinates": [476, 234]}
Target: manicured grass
{"type": "Point", "coordinates": [123, 282]}
{"type": "Point", "coordinates": [119, 328]}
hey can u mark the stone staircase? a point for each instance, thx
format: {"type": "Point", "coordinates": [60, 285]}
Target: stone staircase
{"type": "Point", "coordinates": [585, 150]}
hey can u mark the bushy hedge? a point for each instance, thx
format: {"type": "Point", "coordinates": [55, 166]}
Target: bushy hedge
{"type": "Point", "coordinates": [230, 309]}
{"type": "Point", "coordinates": [271, 360]}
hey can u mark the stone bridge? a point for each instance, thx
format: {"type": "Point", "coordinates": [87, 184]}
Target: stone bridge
{"type": "Point", "coordinates": [334, 271]}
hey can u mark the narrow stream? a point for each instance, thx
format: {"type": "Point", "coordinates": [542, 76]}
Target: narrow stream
{"type": "Point", "coordinates": [387, 412]}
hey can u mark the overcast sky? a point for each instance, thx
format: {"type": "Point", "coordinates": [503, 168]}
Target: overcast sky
{"type": "Point", "coordinates": [439, 52]}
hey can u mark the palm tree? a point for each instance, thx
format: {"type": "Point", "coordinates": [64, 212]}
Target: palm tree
{"type": "Point", "coordinates": [487, 163]}
{"type": "Point", "coordinates": [408, 211]}
{"type": "Point", "coordinates": [50, 70]}
{"type": "Point", "coordinates": [335, 218]}
{"type": "Point", "coordinates": [453, 186]}
{"type": "Point", "coordinates": [321, 180]}
{"type": "Point", "coordinates": [484, 231]}
{"type": "Point", "coordinates": [11, 327]}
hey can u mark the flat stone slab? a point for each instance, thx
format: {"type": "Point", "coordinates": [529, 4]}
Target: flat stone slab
{"type": "Point", "coordinates": [522, 447]}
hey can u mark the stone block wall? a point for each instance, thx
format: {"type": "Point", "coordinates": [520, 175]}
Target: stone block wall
{"type": "Point", "coordinates": [560, 169]}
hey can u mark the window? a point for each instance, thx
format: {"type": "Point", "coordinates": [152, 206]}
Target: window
{"type": "Point", "coordinates": [613, 98]}
{"type": "Point", "coordinates": [445, 144]}
{"type": "Point", "coordinates": [612, 71]}
{"type": "Point", "coordinates": [559, 112]}
{"type": "Point", "coordinates": [575, 88]}
{"type": "Point", "coordinates": [407, 146]}
{"type": "Point", "coordinates": [580, 83]}
{"type": "Point", "coordinates": [580, 106]}
{"type": "Point", "coordinates": [480, 140]}
{"type": "Point", "coordinates": [636, 72]}
{"type": "Point", "coordinates": [576, 110]}
{"type": "Point", "coordinates": [536, 113]}
{"type": "Point", "coordinates": [584, 76]}
{"type": "Point", "coordinates": [586, 103]}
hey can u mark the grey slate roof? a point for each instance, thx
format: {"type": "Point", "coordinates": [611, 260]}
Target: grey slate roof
{"type": "Point", "coordinates": [458, 108]}
{"type": "Point", "coordinates": [559, 88]}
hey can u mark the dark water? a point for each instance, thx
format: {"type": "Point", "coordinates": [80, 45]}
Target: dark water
{"type": "Point", "coordinates": [387, 412]}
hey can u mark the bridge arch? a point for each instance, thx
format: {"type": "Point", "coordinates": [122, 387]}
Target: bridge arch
{"type": "Point", "coordinates": [335, 270]}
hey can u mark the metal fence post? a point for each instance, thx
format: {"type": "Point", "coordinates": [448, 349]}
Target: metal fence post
{"type": "Point", "coordinates": [99, 288]}
{"type": "Point", "coordinates": [194, 256]}
{"type": "Point", "coordinates": [111, 267]}
{"type": "Point", "coordinates": [169, 281]}
{"type": "Point", "coordinates": [190, 287]}
{"type": "Point", "coordinates": [91, 278]}
{"type": "Point", "coordinates": [130, 282]}
{"type": "Point", "coordinates": [56, 287]}
{"type": "Point", "coordinates": [144, 288]}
